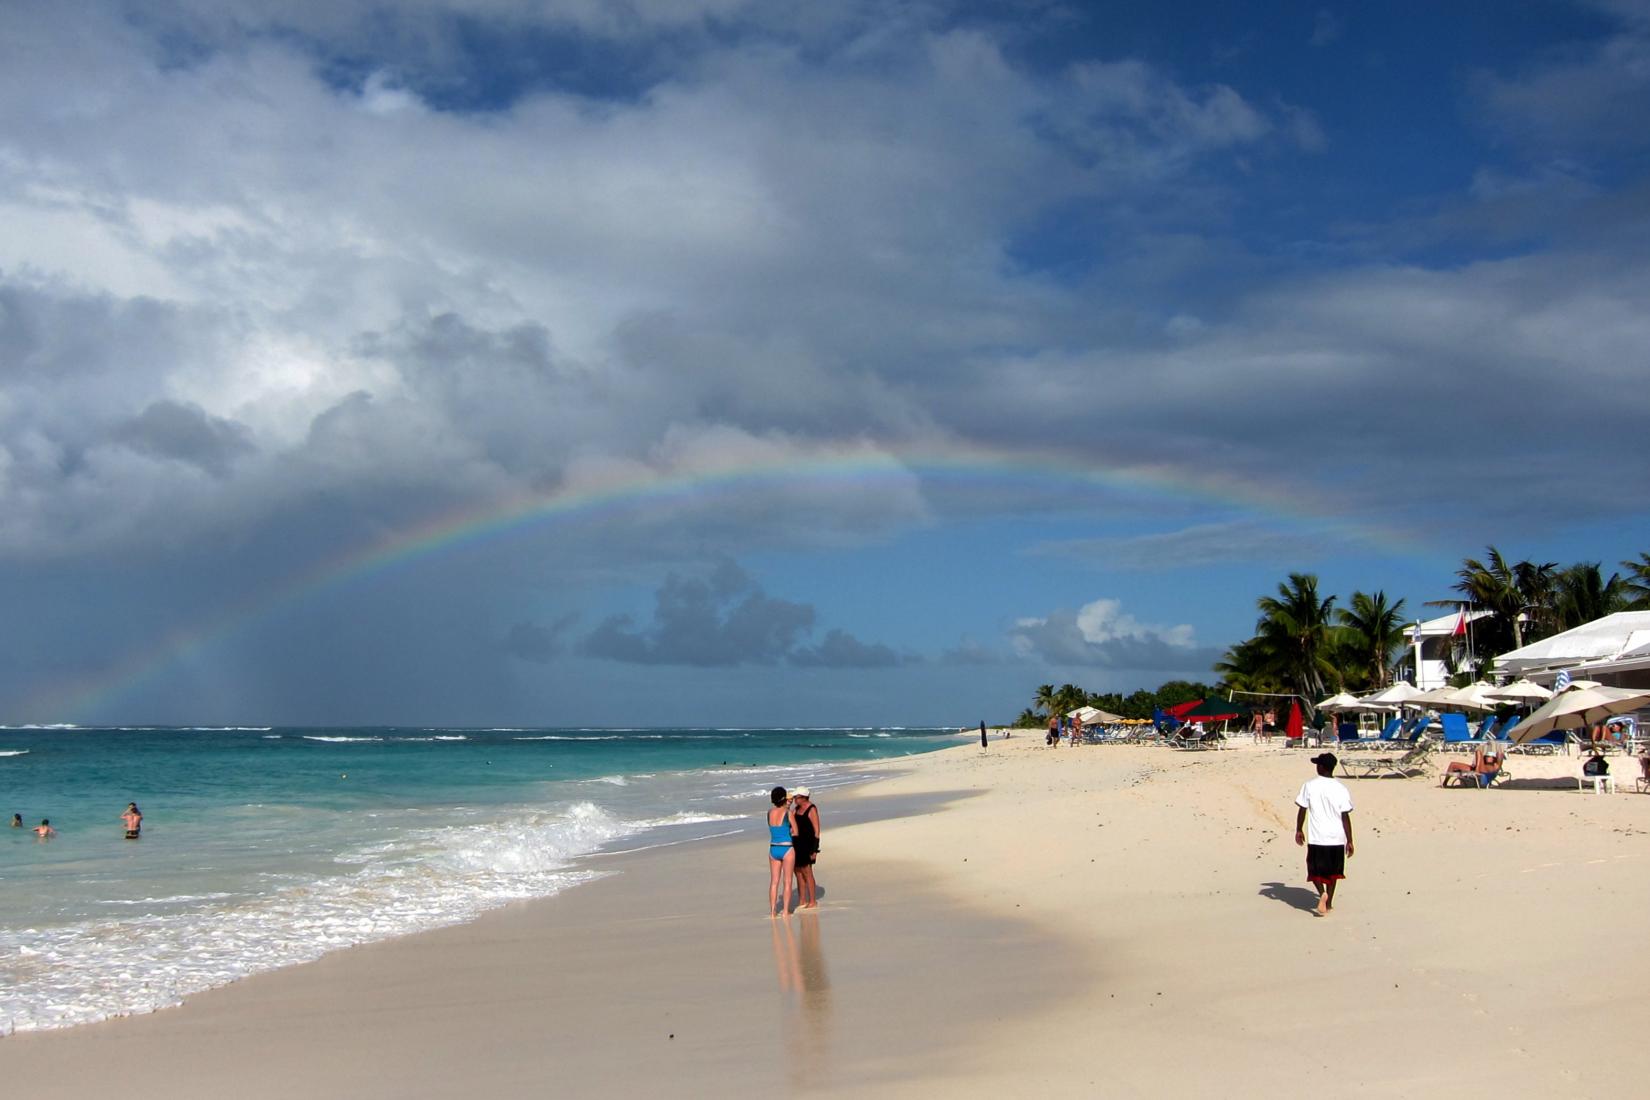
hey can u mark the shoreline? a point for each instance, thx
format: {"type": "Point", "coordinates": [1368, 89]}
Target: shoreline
{"type": "Point", "coordinates": [1105, 918]}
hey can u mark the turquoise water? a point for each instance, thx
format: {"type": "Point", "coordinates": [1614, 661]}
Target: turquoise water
{"type": "Point", "coordinates": [270, 846]}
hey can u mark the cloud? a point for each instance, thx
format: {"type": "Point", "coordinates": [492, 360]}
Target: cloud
{"type": "Point", "coordinates": [1198, 545]}
{"type": "Point", "coordinates": [842, 650]}
{"type": "Point", "coordinates": [529, 641]}
{"type": "Point", "coordinates": [181, 431]}
{"type": "Point", "coordinates": [1101, 634]}
{"type": "Point", "coordinates": [1573, 99]}
{"type": "Point", "coordinates": [1327, 27]}
{"type": "Point", "coordinates": [972, 652]}
{"type": "Point", "coordinates": [726, 619]}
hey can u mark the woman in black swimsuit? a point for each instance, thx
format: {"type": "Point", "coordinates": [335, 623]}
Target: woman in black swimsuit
{"type": "Point", "coordinates": [805, 843]}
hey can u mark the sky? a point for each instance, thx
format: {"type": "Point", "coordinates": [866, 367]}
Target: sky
{"type": "Point", "coordinates": [712, 362]}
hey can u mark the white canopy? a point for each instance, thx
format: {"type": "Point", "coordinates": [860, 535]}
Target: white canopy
{"type": "Point", "coordinates": [1622, 635]}
{"type": "Point", "coordinates": [1091, 716]}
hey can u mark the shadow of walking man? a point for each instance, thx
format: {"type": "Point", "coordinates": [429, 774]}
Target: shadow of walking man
{"type": "Point", "coordinates": [1298, 897]}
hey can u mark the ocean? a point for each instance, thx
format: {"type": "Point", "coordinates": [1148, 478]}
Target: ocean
{"type": "Point", "coordinates": [265, 847]}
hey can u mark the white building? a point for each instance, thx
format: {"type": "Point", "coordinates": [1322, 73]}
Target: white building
{"type": "Point", "coordinates": [1433, 642]}
{"type": "Point", "coordinates": [1614, 650]}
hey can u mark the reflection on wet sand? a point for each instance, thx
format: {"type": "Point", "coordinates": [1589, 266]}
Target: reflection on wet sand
{"type": "Point", "coordinates": [806, 991]}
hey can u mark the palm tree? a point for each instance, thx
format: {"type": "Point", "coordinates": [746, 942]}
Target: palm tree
{"type": "Point", "coordinates": [1373, 632]}
{"type": "Point", "coordinates": [1537, 586]}
{"type": "Point", "coordinates": [1584, 594]}
{"type": "Point", "coordinates": [1047, 700]}
{"type": "Point", "coordinates": [1492, 584]}
{"type": "Point", "coordinates": [1636, 585]}
{"type": "Point", "coordinates": [1069, 698]}
{"type": "Point", "coordinates": [1294, 635]}
{"type": "Point", "coordinates": [1514, 593]}
{"type": "Point", "coordinates": [1244, 668]}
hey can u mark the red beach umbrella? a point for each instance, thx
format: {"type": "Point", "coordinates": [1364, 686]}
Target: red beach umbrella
{"type": "Point", "coordinates": [1295, 727]}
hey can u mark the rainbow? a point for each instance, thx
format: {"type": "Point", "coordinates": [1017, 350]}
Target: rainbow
{"type": "Point", "coordinates": [860, 468]}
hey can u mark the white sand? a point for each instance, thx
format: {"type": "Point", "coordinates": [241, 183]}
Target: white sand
{"type": "Point", "coordinates": [1102, 920]}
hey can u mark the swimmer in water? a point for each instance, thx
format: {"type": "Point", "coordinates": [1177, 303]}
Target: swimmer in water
{"type": "Point", "coordinates": [133, 817]}
{"type": "Point", "coordinates": [44, 829]}
{"type": "Point", "coordinates": [17, 821]}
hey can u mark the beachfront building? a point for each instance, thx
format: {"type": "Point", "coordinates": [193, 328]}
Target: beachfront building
{"type": "Point", "coordinates": [1614, 650]}
{"type": "Point", "coordinates": [1438, 646]}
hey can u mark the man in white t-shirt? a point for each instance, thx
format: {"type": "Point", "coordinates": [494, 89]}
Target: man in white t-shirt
{"type": "Point", "coordinates": [1324, 825]}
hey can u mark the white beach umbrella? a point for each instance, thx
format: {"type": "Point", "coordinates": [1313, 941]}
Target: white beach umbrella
{"type": "Point", "coordinates": [1522, 691]}
{"type": "Point", "coordinates": [1401, 694]}
{"type": "Point", "coordinates": [1570, 710]}
{"type": "Point", "coordinates": [1341, 701]}
{"type": "Point", "coordinates": [1437, 697]}
{"type": "Point", "coordinates": [1479, 696]}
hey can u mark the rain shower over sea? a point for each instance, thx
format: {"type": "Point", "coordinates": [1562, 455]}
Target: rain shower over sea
{"type": "Point", "coordinates": [265, 847]}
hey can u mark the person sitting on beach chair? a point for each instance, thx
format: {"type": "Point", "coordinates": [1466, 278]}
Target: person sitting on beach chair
{"type": "Point", "coordinates": [1485, 763]}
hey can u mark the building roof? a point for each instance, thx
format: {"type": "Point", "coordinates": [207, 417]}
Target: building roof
{"type": "Point", "coordinates": [1622, 636]}
{"type": "Point", "coordinates": [1444, 625]}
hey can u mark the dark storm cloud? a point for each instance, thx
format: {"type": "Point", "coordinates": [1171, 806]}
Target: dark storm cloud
{"type": "Point", "coordinates": [453, 262]}
{"type": "Point", "coordinates": [535, 642]}
{"type": "Point", "coordinates": [840, 649]}
{"type": "Point", "coordinates": [726, 619]}
{"type": "Point", "coordinates": [185, 432]}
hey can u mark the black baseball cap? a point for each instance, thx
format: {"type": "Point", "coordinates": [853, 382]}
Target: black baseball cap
{"type": "Point", "coordinates": [1325, 758]}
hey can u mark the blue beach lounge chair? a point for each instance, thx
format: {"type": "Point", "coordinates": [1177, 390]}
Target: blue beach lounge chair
{"type": "Point", "coordinates": [1456, 735]}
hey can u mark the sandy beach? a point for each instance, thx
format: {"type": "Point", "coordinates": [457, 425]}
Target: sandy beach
{"type": "Point", "coordinates": [1120, 920]}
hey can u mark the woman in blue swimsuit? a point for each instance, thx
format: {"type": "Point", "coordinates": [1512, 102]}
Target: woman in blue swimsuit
{"type": "Point", "coordinates": [781, 856]}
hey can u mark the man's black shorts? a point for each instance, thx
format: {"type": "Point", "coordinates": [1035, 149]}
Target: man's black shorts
{"type": "Point", "coordinates": [1325, 862]}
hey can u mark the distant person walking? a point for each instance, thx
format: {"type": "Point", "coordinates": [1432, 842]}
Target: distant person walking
{"type": "Point", "coordinates": [982, 737]}
{"type": "Point", "coordinates": [1324, 825]}
{"type": "Point", "coordinates": [133, 817]}
{"type": "Point", "coordinates": [805, 831]}
{"type": "Point", "coordinates": [781, 854]}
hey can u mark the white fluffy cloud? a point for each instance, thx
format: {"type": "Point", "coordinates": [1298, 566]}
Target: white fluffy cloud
{"type": "Point", "coordinates": [1100, 634]}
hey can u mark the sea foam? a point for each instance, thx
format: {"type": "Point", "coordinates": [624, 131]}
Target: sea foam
{"type": "Point", "coordinates": [422, 879]}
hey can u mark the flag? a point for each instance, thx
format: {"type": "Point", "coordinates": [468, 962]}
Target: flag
{"type": "Point", "coordinates": [1460, 624]}
{"type": "Point", "coordinates": [1561, 681]}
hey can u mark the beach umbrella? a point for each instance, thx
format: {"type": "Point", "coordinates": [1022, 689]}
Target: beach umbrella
{"type": "Point", "coordinates": [1578, 709]}
{"type": "Point", "coordinates": [1341, 701]}
{"type": "Point", "coordinates": [1479, 696]}
{"type": "Point", "coordinates": [1522, 691]}
{"type": "Point", "coordinates": [1437, 697]}
{"type": "Point", "coordinates": [1401, 694]}
{"type": "Point", "coordinates": [1092, 716]}
{"type": "Point", "coordinates": [1471, 697]}
{"type": "Point", "coordinates": [1294, 726]}
{"type": "Point", "coordinates": [1214, 710]}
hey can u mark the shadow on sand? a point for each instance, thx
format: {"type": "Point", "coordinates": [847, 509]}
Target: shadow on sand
{"type": "Point", "coordinates": [1298, 897]}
